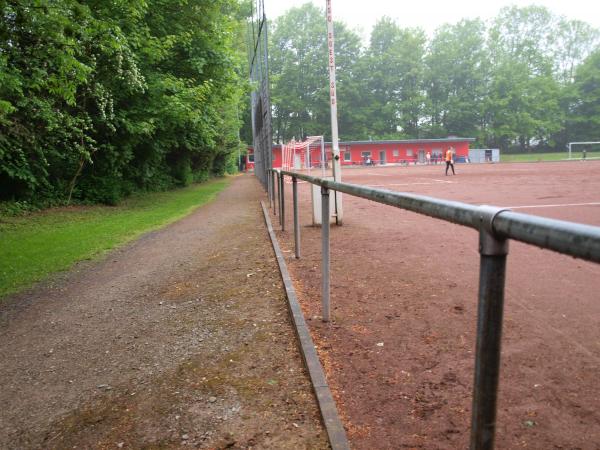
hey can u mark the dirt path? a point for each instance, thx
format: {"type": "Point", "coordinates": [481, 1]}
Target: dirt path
{"type": "Point", "coordinates": [181, 339]}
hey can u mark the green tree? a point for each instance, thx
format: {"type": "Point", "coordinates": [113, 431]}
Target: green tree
{"type": "Point", "coordinates": [300, 76]}
{"type": "Point", "coordinates": [458, 73]}
{"type": "Point", "coordinates": [348, 53]}
{"type": "Point", "coordinates": [584, 117]}
{"type": "Point", "coordinates": [298, 64]}
{"type": "Point", "coordinates": [523, 101]}
{"type": "Point", "coordinates": [575, 40]}
{"type": "Point", "coordinates": [411, 48]}
{"type": "Point", "coordinates": [382, 73]}
{"type": "Point", "coordinates": [102, 98]}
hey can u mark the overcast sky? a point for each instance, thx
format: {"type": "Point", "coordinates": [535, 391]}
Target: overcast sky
{"type": "Point", "coordinates": [431, 14]}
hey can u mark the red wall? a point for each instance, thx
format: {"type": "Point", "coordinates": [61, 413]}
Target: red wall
{"type": "Point", "coordinates": [277, 157]}
{"type": "Point", "coordinates": [401, 151]}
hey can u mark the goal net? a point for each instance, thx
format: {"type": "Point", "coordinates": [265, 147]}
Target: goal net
{"type": "Point", "coordinates": [584, 149]}
{"type": "Point", "coordinates": [308, 155]}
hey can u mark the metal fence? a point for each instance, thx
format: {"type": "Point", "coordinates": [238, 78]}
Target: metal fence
{"type": "Point", "coordinates": [258, 61]}
{"type": "Point", "coordinates": [496, 226]}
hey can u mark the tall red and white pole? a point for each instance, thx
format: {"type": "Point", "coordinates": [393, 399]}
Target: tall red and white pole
{"type": "Point", "coordinates": [337, 166]}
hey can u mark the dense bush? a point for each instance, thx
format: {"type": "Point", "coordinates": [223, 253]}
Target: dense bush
{"type": "Point", "coordinates": [99, 99]}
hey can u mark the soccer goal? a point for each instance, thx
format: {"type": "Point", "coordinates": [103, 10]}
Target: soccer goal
{"type": "Point", "coordinates": [313, 157]}
{"type": "Point", "coordinates": [308, 155]}
{"type": "Point", "coordinates": [580, 143]}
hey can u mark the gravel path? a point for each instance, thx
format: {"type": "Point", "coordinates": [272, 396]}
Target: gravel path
{"type": "Point", "coordinates": [180, 339]}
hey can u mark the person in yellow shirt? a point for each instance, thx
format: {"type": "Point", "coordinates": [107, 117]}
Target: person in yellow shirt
{"type": "Point", "coordinates": [450, 160]}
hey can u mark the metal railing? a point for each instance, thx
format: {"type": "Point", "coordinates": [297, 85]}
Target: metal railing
{"type": "Point", "coordinates": [496, 226]}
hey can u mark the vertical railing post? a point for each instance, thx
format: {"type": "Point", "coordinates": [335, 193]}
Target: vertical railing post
{"type": "Point", "coordinates": [270, 187]}
{"type": "Point", "coordinates": [325, 252]}
{"type": "Point", "coordinates": [296, 221]}
{"type": "Point", "coordinates": [277, 207]}
{"type": "Point", "coordinates": [273, 178]}
{"type": "Point", "coordinates": [282, 202]}
{"type": "Point", "coordinates": [492, 274]}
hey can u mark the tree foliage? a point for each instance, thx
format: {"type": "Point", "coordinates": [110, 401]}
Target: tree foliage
{"type": "Point", "coordinates": [522, 81]}
{"type": "Point", "coordinates": [584, 120]}
{"type": "Point", "coordinates": [99, 99]}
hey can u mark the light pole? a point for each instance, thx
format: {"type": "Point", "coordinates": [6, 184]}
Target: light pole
{"type": "Point", "coordinates": [337, 166]}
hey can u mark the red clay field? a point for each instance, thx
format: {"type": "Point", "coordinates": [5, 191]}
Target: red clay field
{"type": "Point", "coordinates": [399, 352]}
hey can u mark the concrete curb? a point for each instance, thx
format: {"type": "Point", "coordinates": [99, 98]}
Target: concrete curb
{"type": "Point", "coordinates": [329, 414]}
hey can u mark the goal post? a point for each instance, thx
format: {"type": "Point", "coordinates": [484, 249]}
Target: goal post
{"type": "Point", "coordinates": [303, 155]}
{"type": "Point", "coordinates": [311, 155]}
{"type": "Point", "coordinates": [580, 143]}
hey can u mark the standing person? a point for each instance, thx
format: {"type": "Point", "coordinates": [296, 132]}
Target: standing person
{"type": "Point", "coordinates": [450, 160]}
{"type": "Point", "coordinates": [428, 158]}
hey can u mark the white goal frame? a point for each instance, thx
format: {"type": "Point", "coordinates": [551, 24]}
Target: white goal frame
{"type": "Point", "coordinates": [580, 143]}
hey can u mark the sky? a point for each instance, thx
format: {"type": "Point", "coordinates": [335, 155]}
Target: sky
{"type": "Point", "coordinates": [429, 15]}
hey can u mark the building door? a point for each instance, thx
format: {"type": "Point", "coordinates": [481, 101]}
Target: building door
{"type": "Point", "coordinates": [382, 157]}
{"type": "Point", "coordinates": [421, 155]}
{"type": "Point", "coordinates": [297, 161]}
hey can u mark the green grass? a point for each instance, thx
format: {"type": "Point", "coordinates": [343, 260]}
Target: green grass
{"type": "Point", "coordinates": [533, 157]}
{"type": "Point", "coordinates": [39, 244]}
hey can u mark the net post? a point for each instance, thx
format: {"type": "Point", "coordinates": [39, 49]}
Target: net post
{"type": "Point", "coordinates": [493, 251]}
{"type": "Point", "coordinates": [325, 252]}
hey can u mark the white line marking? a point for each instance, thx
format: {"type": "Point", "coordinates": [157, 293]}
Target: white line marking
{"type": "Point", "coordinates": [403, 184]}
{"type": "Point", "coordinates": [555, 206]}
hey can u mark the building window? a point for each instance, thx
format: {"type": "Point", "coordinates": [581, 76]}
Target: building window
{"type": "Point", "coordinates": [365, 154]}
{"type": "Point", "coordinates": [409, 152]}
{"type": "Point", "coordinates": [347, 156]}
{"type": "Point", "coordinates": [396, 153]}
{"type": "Point", "coordinates": [251, 157]}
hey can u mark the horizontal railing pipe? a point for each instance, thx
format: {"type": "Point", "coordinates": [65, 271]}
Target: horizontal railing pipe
{"type": "Point", "coordinates": [574, 239]}
{"type": "Point", "coordinates": [580, 241]}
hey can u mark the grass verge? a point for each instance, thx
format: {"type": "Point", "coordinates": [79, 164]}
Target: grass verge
{"type": "Point", "coordinates": [535, 157]}
{"type": "Point", "coordinates": [36, 245]}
